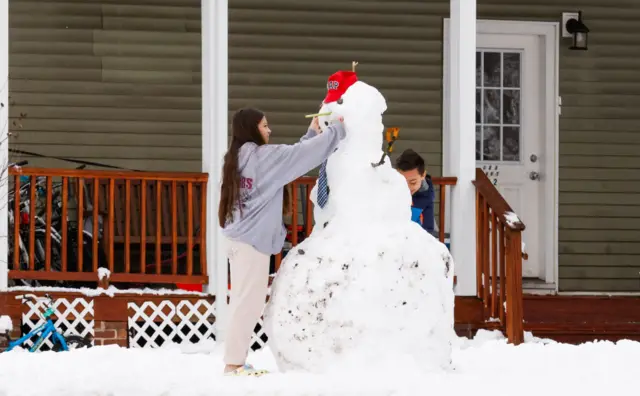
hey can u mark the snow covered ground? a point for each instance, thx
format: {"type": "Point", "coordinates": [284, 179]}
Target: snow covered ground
{"type": "Point", "coordinates": [483, 366]}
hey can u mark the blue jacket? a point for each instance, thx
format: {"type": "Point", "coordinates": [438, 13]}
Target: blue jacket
{"type": "Point", "coordinates": [423, 205]}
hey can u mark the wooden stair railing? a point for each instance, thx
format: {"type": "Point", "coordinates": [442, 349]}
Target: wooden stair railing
{"type": "Point", "coordinates": [499, 259]}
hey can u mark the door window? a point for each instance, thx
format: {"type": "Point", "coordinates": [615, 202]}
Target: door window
{"type": "Point", "coordinates": [498, 106]}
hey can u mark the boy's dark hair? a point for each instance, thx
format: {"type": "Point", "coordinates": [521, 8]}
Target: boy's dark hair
{"type": "Point", "coordinates": [409, 160]}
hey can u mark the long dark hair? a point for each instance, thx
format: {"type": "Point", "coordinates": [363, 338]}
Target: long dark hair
{"type": "Point", "coordinates": [245, 129]}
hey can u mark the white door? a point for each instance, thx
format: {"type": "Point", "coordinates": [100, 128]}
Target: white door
{"type": "Point", "coordinates": [510, 130]}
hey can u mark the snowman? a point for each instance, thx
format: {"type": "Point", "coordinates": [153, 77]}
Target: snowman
{"type": "Point", "coordinates": [369, 287]}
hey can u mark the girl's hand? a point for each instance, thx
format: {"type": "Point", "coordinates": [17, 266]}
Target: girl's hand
{"type": "Point", "coordinates": [315, 125]}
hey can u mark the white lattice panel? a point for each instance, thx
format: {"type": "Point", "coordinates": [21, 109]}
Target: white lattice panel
{"type": "Point", "coordinates": [259, 339]}
{"type": "Point", "coordinates": [72, 317]}
{"type": "Point", "coordinates": [151, 324]}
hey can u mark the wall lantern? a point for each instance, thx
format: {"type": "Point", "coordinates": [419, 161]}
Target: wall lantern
{"type": "Point", "coordinates": [574, 27]}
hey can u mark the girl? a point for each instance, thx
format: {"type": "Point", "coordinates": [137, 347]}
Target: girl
{"type": "Point", "coordinates": [251, 206]}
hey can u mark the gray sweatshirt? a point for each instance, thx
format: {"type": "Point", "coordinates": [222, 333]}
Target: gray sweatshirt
{"type": "Point", "coordinates": [264, 171]}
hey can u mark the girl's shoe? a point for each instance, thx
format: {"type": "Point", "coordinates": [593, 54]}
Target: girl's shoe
{"type": "Point", "coordinates": [246, 371]}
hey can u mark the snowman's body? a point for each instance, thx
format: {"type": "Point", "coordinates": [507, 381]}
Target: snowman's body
{"type": "Point", "coordinates": [372, 286]}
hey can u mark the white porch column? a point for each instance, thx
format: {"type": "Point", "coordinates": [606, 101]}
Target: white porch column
{"type": "Point", "coordinates": [461, 107]}
{"type": "Point", "coordinates": [214, 143]}
{"type": "Point", "coordinates": [4, 142]}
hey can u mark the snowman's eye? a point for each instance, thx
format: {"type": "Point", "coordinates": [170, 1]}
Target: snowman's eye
{"type": "Point", "coordinates": [326, 123]}
{"type": "Point", "coordinates": [340, 101]}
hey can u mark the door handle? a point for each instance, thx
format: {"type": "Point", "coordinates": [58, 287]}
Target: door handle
{"type": "Point", "coordinates": [534, 175]}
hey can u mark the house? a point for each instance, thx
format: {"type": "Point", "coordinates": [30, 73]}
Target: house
{"type": "Point", "coordinates": [123, 84]}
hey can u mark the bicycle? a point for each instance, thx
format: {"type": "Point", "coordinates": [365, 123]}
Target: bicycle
{"type": "Point", "coordinates": [48, 329]}
{"type": "Point", "coordinates": [55, 232]}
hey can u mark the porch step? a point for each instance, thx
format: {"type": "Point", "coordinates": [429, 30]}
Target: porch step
{"type": "Point", "coordinates": [569, 319]}
{"type": "Point", "coordinates": [585, 332]}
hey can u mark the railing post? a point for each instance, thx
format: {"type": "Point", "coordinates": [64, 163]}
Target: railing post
{"type": "Point", "coordinates": [514, 316]}
{"type": "Point", "coordinates": [4, 144]}
{"type": "Point", "coordinates": [214, 22]}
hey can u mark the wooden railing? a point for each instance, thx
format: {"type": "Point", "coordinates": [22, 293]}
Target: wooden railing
{"type": "Point", "coordinates": [499, 258]}
{"type": "Point", "coordinates": [142, 220]}
{"type": "Point", "coordinates": [303, 186]}
{"type": "Point", "coordinates": [59, 210]}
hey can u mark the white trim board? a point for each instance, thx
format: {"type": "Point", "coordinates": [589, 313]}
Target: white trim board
{"type": "Point", "coordinates": [215, 105]}
{"type": "Point", "coordinates": [549, 33]}
{"type": "Point", "coordinates": [4, 143]}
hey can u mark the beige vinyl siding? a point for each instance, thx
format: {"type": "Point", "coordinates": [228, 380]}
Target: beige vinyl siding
{"type": "Point", "coordinates": [115, 82]}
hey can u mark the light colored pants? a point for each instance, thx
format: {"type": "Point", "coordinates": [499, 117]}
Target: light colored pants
{"type": "Point", "coordinates": [249, 284]}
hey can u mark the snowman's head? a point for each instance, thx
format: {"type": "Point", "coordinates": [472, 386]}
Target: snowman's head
{"type": "Point", "coordinates": [325, 120]}
{"type": "Point", "coordinates": [360, 103]}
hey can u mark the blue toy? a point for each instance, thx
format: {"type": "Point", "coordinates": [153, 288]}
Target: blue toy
{"type": "Point", "coordinates": [415, 215]}
{"type": "Point", "coordinates": [48, 329]}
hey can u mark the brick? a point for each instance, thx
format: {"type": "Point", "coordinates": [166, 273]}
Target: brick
{"type": "Point", "coordinates": [110, 334]}
{"type": "Point", "coordinates": [122, 334]}
{"type": "Point", "coordinates": [115, 325]}
{"type": "Point", "coordinates": [122, 343]}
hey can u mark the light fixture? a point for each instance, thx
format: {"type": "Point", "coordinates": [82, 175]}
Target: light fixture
{"type": "Point", "coordinates": [576, 29]}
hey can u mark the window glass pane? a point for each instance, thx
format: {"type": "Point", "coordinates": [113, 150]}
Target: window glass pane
{"type": "Point", "coordinates": [511, 70]}
{"type": "Point", "coordinates": [478, 142]}
{"type": "Point", "coordinates": [511, 106]}
{"type": "Point", "coordinates": [478, 106]}
{"type": "Point", "coordinates": [478, 69]}
{"type": "Point", "coordinates": [492, 69]}
{"type": "Point", "coordinates": [491, 106]}
{"type": "Point", "coordinates": [511, 144]}
{"type": "Point", "coordinates": [491, 143]}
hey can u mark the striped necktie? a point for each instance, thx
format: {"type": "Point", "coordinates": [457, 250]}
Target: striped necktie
{"type": "Point", "coordinates": [323, 186]}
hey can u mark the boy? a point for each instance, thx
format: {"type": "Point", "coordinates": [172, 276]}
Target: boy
{"type": "Point", "coordinates": [412, 166]}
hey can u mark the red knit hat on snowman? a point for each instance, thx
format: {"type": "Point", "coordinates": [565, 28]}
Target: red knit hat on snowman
{"type": "Point", "coordinates": [339, 82]}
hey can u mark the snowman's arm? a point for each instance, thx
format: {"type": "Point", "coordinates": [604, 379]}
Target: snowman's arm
{"type": "Point", "coordinates": [280, 164]}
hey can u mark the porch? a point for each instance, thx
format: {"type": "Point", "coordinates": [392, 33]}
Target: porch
{"type": "Point", "coordinates": [151, 233]}
{"type": "Point", "coordinates": [151, 242]}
